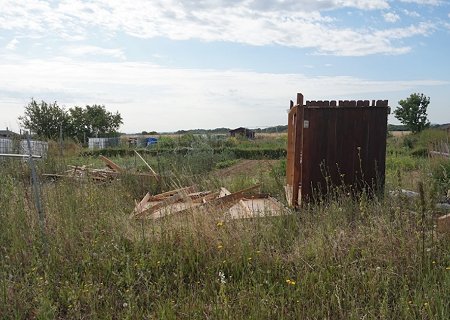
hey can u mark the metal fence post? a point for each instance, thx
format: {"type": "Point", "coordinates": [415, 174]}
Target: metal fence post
{"type": "Point", "coordinates": [37, 193]}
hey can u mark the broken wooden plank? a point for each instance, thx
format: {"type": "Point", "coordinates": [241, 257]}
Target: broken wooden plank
{"type": "Point", "coordinates": [434, 154]}
{"type": "Point", "coordinates": [140, 206]}
{"type": "Point", "coordinates": [224, 192]}
{"type": "Point", "coordinates": [171, 209]}
{"type": "Point", "coordinates": [228, 200]}
{"type": "Point", "coordinates": [148, 166]}
{"type": "Point", "coordinates": [160, 205]}
{"type": "Point", "coordinates": [443, 224]}
{"type": "Point", "coordinates": [111, 164]}
{"type": "Point", "coordinates": [256, 207]}
{"type": "Point", "coordinates": [164, 195]}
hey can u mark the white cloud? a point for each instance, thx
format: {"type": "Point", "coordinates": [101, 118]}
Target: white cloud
{"type": "Point", "coordinates": [391, 17]}
{"type": "Point", "coordinates": [303, 24]}
{"type": "Point", "coordinates": [12, 45]}
{"type": "Point", "coordinates": [424, 2]}
{"type": "Point", "coordinates": [413, 14]}
{"type": "Point", "coordinates": [79, 51]}
{"type": "Point", "coordinates": [157, 98]}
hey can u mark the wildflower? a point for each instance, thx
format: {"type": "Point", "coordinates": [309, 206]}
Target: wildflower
{"type": "Point", "coordinates": [448, 268]}
{"type": "Point", "coordinates": [158, 262]}
{"type": "Point", "coordinates": [222, 277]}
{"type": "Point", "coordinates": [220, 223]}
{"type": "Point", "coordinates": [425, 304]}
{"type": "Point", "coordinates": [125, 304]}
{"type": "Point", "coordinates": [249, 258]}
{"type": "Point", "coordinates": [434, 262]}
{"type": "Point", "coordinates": [219, 246]}
{"type": "Point", "coordinates": [290, 282]}
{"type": "Point", "coordinates": [258, 251]}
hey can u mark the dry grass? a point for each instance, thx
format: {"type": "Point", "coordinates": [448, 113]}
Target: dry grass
{"type": "Point", "coordinates": [339, 259]}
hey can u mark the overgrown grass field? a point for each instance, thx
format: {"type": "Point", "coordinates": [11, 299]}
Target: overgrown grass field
{"type": "Point", "coordinates": [341, 258]}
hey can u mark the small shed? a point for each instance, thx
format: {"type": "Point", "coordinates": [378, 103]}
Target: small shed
{"type": "Point", "coordinates": [7, 134]}
{"type": "Point", "coordinates": [242, 132]}
{"type": "Point", "coordinates": [334, 143]}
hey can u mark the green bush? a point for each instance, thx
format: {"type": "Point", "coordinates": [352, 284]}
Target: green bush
{"type": "Point", "coordinates": [419, 152]}
{"type": "Point", "coordinates": [440, 171]}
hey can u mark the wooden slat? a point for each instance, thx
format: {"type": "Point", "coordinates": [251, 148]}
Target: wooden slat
{"type": "Point", "coordinates": [148, 166]}
{"type": "Point", "coordinates": [110, 164]}
{"type": "Point", "coordinates": [298, 150]}
{"type": "Point", "coordinates": [443, 224]}
{"type": "Point", "coordinates": [164, 195]}
{"type": "Point", "coordinates": [162, 204]}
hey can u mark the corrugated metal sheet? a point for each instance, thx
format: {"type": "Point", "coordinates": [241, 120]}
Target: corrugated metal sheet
{"type": "Point", "coordinates": [103, 143]}
{"type": "Point", "coordinates": [39, 148]}
{"type": "Point", "coordinates": [6, 146]}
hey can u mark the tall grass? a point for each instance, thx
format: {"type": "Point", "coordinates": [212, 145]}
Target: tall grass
{"type": "Point", "coordinates": [342, 258]}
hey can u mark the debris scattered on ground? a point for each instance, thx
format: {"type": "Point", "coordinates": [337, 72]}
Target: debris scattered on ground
{"type": "Point", "coordinates": [443, 224]}
{"type": "Point", "coordinates": [111, 172]}
{"type": "Point", "coordinates": [241, 204]}
{"type": "Point", "coordinates": [443, 204]}
{"type": "Point", "coordinates": [404, 192]}
{"type": "Point", "coordinates": [441, 150]}
{"type": "Point", "coordinates": [437, 154]}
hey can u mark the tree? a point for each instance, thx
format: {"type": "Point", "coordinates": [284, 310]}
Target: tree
{"type": "Point", "coordinates": [44, 119]}
{"type": "Point", "coordinates": [78, 123]}
{"type": "Point", "coordinates": [93, 121]}
{"type": "Point", "coordinates": [412, 112]}
{"type": "Point", "coordinates": [101, 122]}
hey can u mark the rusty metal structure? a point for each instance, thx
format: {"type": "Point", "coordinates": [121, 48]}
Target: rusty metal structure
{"type": "Point", "coordinates": [335, 143]}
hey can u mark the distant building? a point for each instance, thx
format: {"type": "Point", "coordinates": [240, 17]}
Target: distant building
{"type": "Point", "coordinates": [7, 134]}
{"type": "Point", "coordinates": [243, 132]}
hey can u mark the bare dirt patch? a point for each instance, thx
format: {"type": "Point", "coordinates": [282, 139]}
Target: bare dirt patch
{"type": "Point", "coordinates": [246, 167]}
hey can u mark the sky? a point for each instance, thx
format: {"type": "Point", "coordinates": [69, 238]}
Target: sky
{"type": "Point", "coordinates": [167, 65]}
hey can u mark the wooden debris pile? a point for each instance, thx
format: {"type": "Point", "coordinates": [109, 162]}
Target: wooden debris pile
{"type": "Point", "coordinates": [110, 172]}
{"type": "Point", "coordinates": [441, 150]}
{"type": "Point", "coordinates": [236, 205]}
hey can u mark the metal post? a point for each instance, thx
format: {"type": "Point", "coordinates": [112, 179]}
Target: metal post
{"type": "Point", "coordinates": [61, 139]}
{"type": "Point", "coordinates": [37, 194]}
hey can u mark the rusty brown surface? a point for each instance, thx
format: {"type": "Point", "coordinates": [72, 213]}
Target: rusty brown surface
{"type": "Point", "coordinates": [335, 143]}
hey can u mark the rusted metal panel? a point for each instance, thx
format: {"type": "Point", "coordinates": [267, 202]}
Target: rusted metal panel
{"type": "Point", "coordinates": [343, 146]}
{"type": "Point", "coordinates": [337, 145]}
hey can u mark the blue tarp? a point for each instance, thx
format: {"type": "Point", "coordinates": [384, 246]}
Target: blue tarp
{"type": "Point", "coordinates": [151, 141]}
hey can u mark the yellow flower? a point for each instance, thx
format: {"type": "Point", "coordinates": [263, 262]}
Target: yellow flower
{"type": "Point", "coordinates": [290, 282]}
{"type": "Point", "coordinates": [220, 223]}
{"type": "Point", "coordinates": [219, 246]}
{"type": "Point", "coordinates": [425, 304]}
{"type": "Point", "coordinates": [448, 268]}
{"type": "Point", "coordinates": [249, 258]}
{"type": "Point", "coordinates": [434, 262]}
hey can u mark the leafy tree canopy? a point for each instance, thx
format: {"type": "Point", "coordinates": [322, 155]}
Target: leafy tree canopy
{"type": "Point", "coordinates": [412, 112]}
{"type": "Point", "coordinates": [79, 123]}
